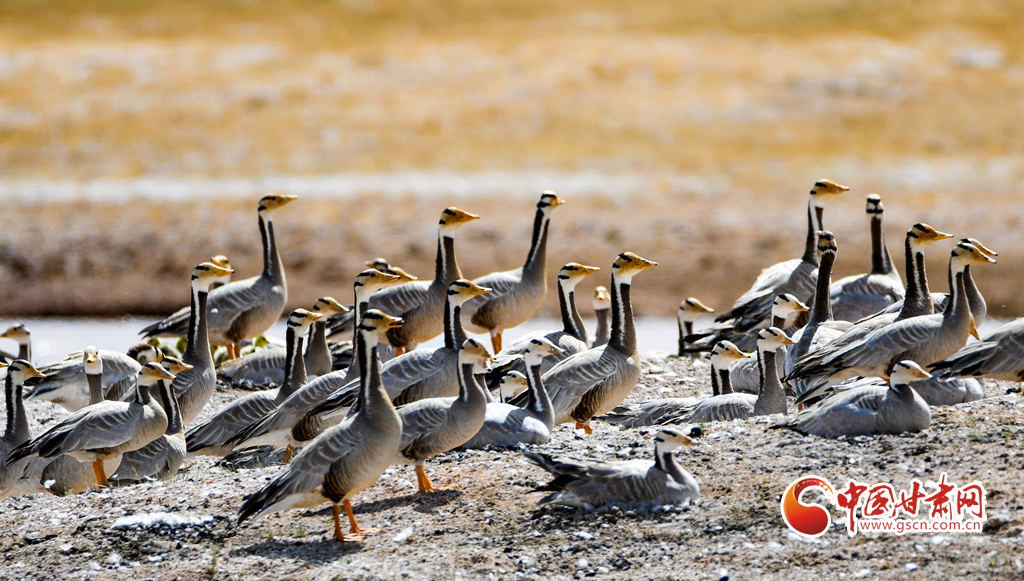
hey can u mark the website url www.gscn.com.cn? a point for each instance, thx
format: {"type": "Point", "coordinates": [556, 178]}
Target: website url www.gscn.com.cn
{"type": "Point", "coordinates": [918, 526]}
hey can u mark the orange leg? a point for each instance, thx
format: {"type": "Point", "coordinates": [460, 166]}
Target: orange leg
{"type": "Point", "coordinates": [101, 476]}
{"type": "Point", "coordinates": [585, 427]}
{"type": "Point", "coordinates": [353, 525]}
{"type": "Point", "coordinates": [496, 342]}
{"type": "Point", "coordinates": [288, 453]}
{"type": "Point", "coordinates": [399, 351]}
{"type": "Point", "coordinates": [337, 524]}
{"type": "Point", "coordinates": [423, 480]}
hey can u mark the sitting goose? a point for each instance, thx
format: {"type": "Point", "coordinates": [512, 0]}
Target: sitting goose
{"type": "Point", "coordinates": [509, 425]}
{"type": "Point", "coordinates": [868, 410]}
{"type": "Point", "coordinates": [689, 310]}
{"type": "Point", "coordinates": [210, 437]}
{"type": "Point", "coordinates": [275, 427]}
{"type": "Point", "coordinates": [670, 410]}
{"type": "Point", "coordinates": [161, 458]}
{"type": "Point", "coordinates": [21, 334]}
{"type": "Point", "coordinates": [917, 301]}
{"type": "Point", "coordinates": [436, 425]}
{"type": "Point", "coordinates": [346, 458]}
{"type": "Point", "coordinates": [245, 308]}
{"type": "Point", "coordinates": [421, 303]}
{"type": "Point", "coordinates": [595, 381]}
{"type": "Point", "coordinates": [859, 296]}
{"type": "Point", "coordinates": [933, 390]}
{"type": "Point", "coordinates": [771, 399]}
{"type": "Point", "coordinates": [517, 294]}
{"type": "Point", "coordinates": [821, 328]}
{"type": "Point", "coordinates": [17, 432]}
{"type": "Point", "coordinates": [602, 306]}
{"type": "Point", "coordinates": [572, 337]}
{"type": "Point", "coordinates": [98, 432]}
{"type": "Point", "coordinates": [410, 377]}
{"type": "Point", "coordinates": [268, 365]}
{"type": "Point", "coordinates": [510, 385]}
{"type": "Point", "coordinates": [1000, 355]}
{"type": "Point", "coordinates": [67, 382]}
{"type": "Point", "coordinates": [589, 484]}
{"type": "Point", "coordinates": [927, 337]}
{"type": "Point", "coordinates": [793, 276]}
{"type": "Point", "coordinates": [746, 377]}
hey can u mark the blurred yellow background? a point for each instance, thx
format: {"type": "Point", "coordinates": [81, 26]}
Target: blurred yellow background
{"type": "Point", "coordinates": [135, 137]}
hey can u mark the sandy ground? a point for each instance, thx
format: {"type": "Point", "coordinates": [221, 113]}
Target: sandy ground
{"type": "Point", "coordinates": [487, 524]}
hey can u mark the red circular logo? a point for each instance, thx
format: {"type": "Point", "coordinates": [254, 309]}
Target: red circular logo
{"type": "Point", "coordinates": [807, 519]}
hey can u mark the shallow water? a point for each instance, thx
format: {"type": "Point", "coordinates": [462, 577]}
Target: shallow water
{"type": "Point", "coordinates": [54, 337]}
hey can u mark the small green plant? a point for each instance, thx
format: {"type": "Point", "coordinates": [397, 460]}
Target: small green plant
{"type": "Point", "coordinates": [212, 569]}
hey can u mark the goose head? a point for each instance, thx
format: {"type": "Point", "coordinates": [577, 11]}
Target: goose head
{"type": "Point", "coordinates": [462, 290]}
{"type": "Point", "coordinates": [874, 205]}
{"type": "Point", "coordinates": [571, 274]}
{"type": "Point", "coordinates": [152, 373]}
{"type": "Point", "coordinates": [549, 201]}
{"type": "Point", "coordinates": [452, 218]}
{"type": "Point", "coordinates": [146, 352]}
{"type": "Point", "coordinates": [472, 352]}
{"type": "Point", "coordinates": [966, 253]}
{"type": "Point", "coordinates": [826, 243]}
{"type": "Point", "coordinates": [824, 189]}
{"type": "Point", "coordinates": [328, 306]}
{"type": "Point", "coordinates": [602, 299]}
{"type": "Point", "coordinates": [669, 439]}
{"type": "Point", "coordinates": [377, 323]}
{"type": "Point", "coordinates": [981, 247]}
{"type": "Point", "coordinates": [906, 371]}
{"type": "Point", "coordinates": [772, 338]}
{"type": "Point", "coordinates": [271, 202]}
{"type": "Point", "coordinates": [207, 273]}
{"type": "Point", "coordinates": [19, 333]}
{"type": "Point", "coordinates": [301, 319]}
{"type": "Point", "coordinates": [922, 235]}
{"type": "Point", "coordinates": [174, 365]}
{"type": "Point", "coordinates": [692, 308]}
{"type": "Point", "coordinates": [786, 304]}
{"type": "Point", "coordinates": [539, 348]}
{"type": "Point", "coordinates": [222, 261]}
{"type": "Point", "coordinates": [379, 263]}
{"type": "Point", "coordinates": [91, 361]}
{"type": "Point", "coordinates": [725, 353]}
{"type": "Point", "coordinates": [21, 371]}
{"type": "Point", "coordinates": [627, 265]}
{"type": "Point", "coordinates": [372, 280]}
{"type": "Point", "coordinates": [512, 384]}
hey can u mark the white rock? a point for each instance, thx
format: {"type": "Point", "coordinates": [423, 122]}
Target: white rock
{"type": "Point", "coordinates": [114, 560]}
{"type": "Point", "coordinates": [152, 519]}
{"type": "Point", "coordinates": [582, 564]}
{"type": "Point", "coordinates": [585, 535]}
{"type": "Point", "coordinates": [910, 566]}
{"type": "Point", "coordinates": [403, 536]}
{"type": "Point", "coordinates": [862, 573]}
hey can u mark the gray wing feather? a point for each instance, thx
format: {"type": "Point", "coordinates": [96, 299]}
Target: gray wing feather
{"type": "Point", "coordinates": [104, 425]}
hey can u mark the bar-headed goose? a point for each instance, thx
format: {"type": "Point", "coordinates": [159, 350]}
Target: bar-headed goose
{"type": "Point", "coordinates": [17, 431]}
{"type": "Point", "coordinates": [859, 296]}
{"type": "Point", "coordinates": [23, 336]}
{"type": "Point", "coordinates": [602, 307]}
{"type": "Point", "coordinates": [68, 384]}
{"type": "Point", "coordinates": [689, 310]}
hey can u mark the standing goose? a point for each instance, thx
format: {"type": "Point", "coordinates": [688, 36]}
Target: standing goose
{"type": "Point", "coordinates": [859, 296]}
{"type": "Point", "coordinates": [268, 365]}
{"type": "Point", "coordinates": [223, 262]}
{"type": "Point", "coordinates": [602, 305]}
{"type": "Point", "coordinates": [347, 458]}
{"type": "Point", "coordinates": [107, 429]}
{"type": "Point", "coordinates": [194, 387]}
{"type": "Point", "coordinates": [746, 377]}
{"type": "Point", "coordinates": [517, 294]}
{"type": "Point", "coordinates": [17, 432]}
{"type": "Point", "coordinates": [925, 338]}
{"type": "Point", "coordinates": [509, 425]}
{"type": "Point", "coordinates": [242, 309]}
{"type": "Point", "coordinates": [161, 458]}
{"type": "Point", "coordinates": [868, 410]}
{"type": "Point", "coordinates": [595, 381]}
{"type": "Point", "coordinates": [67, 383]}
{"type": "Point", "coordinates": [275, 427]}
{"type": "Point", "coordinates": [589, 484]}
{"type": "Point", "coordinates": [342, 325]}
{"type": "Point", "coordinates": [788, 314]}
{"type": "Point", "coordinates": [917, 301]}
{"type": "Point", "coordinates": [421, 303]}
{"type": "Point", "coordinates": [771, 398]}
{"type": "Point", "coordinates": [436, 425]}
{"type": "Point", "coordinates": [793, 276]}
{"type": "Point", "coordinates": [821, 328]}
{"type": "Point", "coordinates": [410, 377]}
{"type": "Point", "coordinates": [21, 334]}
{"type": "Point", "coordinates": [670, 410]}
{"type": "Point", "coordinates": [572, 337]}
{"type": "Point", "coordinates": [210, 437]}
{"type": "Point", "coordinates": [689, 310]}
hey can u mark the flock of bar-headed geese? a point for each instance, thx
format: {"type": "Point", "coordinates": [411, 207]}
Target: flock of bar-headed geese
{"type": "Point", "coordinates": [352, 394]}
